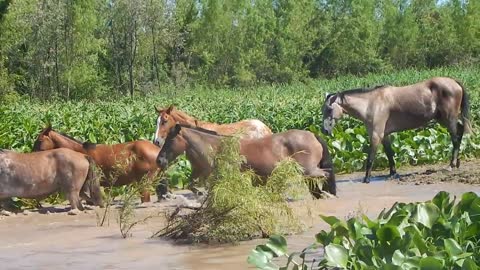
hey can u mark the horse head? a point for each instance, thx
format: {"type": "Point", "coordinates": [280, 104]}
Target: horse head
{"type": "Point", "coordinates": [331, 111]}
{"type": "Point", "coordinates": [168, 153]}
{"type": "Point", "coordinates": [165, 122]}
{"type": "Point", "coordinates": [43, 141]}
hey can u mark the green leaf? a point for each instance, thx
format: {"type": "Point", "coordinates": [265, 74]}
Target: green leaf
{"type": "Point", "coordinates": [388, 233]}
{"type": "Point", "coordinates": [389, 266]}
{"type": "Point", "coordinates": [336, 255]}
{"type": "Point", "coordinates": [469, 264]}
{"type": "Point", "coordinates": [431, 263]}
{"type": "Point", "coordinates": [398, 258]}
{"type": "Point", "coordinates": [331, 220]}
{"type": "Point", "coordinates": [452, 247]}
{"type": "Point", "coordinates": [427, 214]}
{"type": "Point", "coordinates": [278, 245]}
{"type": "Point", "coordinates": [261, 259]}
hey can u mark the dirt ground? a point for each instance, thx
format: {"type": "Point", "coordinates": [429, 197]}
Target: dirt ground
{"type": "Point", "coordinates": [56, 240]}
{"type": "Point", "coordinates": [468, 173]}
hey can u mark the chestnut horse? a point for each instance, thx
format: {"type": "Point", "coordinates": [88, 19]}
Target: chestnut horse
{"type": "Point", "coordinates": [169, 117]}
{"type": "Point", "coordinates": [138, 157]}
{"type": "Point", "coordinates": [37, 175]}
{"type": "Point", "coordinates": [388, 109]}
{"type": "Point", "coordinates": [262, 155]}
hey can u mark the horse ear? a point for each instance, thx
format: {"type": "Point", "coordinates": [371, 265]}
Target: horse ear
{"type": "Point", "coordinates": [196, 122]}
{"type": "Point", "coordinates": [178, 127]}
{"type": "Point", "coordinates": [327, 94]}
{"type": "Point", "coordinates": [157, 109]}
{"type": "Point", "coordinates": [47, 129]}
{"type": "Point", "coordinates": [170, 108]}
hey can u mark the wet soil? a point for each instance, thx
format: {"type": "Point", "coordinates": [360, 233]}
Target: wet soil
{"type": "Point", "coordinates": [59, 241]}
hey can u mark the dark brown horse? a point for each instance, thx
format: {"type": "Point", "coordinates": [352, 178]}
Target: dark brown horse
{"type": "Point", "coordinates": [388, 109]}
{"type": "Point", "coordinates": [137, 158]}
{"type": "Point", "coordinates": [169, 117]}
{"type": "Point", "coordinates": [37, 175]}
{"type": "Point", "coordinates": [262, 155]}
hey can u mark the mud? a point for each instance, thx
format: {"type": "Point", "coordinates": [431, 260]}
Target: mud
{"type": "Point", "coordinates": [59, 241]}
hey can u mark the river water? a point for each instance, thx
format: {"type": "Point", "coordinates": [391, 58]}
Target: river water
{"type": "Point", "coordinates": [58, 241]}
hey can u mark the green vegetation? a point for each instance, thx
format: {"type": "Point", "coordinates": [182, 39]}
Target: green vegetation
{"type": "Point", "coordinates": [95, 48]}
{"type": "Point", "coordinates": [280, 107]}
{"type": "Point", "coordinates": [436, 234]}
{"type": "Point", "coordinates": [234, 209]}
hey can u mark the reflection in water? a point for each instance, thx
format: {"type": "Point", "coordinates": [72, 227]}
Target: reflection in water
{"type": "Point", "coordinates": [61, 241]}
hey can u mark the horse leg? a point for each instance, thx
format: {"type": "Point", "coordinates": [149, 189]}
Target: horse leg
{"type": "Point", "coordinates": [454, 135]}
{"type": "Point", "coordinates": [387, 145]}
{"type": "Point", "coordinates": [144, 195]}
{"type": "Point", "coordinates": [75, 203]}
{"type": "Point", "coordinates": [460, 131]}
{"type": "Point", "coordinates": [374, 142]}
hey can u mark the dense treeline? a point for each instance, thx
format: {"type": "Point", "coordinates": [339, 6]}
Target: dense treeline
{"type": "Point", "coordinates": [93, 48]}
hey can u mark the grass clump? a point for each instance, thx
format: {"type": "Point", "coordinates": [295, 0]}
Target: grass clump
{"type": "Point", "coordinates": [235, 208]}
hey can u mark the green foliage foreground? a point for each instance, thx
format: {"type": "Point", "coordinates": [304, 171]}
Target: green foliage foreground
{"type": "Point", "coordinates": [436, 234]}
{"type": "Point", "coordinates": [234, 209]}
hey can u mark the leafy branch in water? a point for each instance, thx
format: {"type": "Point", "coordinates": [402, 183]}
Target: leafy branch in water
{"type": "Point", "coordinates": [436, 234]}
{"type": "Point", "coordinates": [235, 208]}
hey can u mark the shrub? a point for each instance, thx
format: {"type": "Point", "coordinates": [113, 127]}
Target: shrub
{"type": "Point", "coordinates": [436, 234]}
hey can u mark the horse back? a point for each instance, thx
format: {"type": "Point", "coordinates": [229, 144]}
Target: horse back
{"type": "Point", "coordinates": [38, 174]}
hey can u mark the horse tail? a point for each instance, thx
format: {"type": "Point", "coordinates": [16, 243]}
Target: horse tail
{"type": "Point", "coordinates": [92, 183]}
{"type": "Point", "coordinates": [465, 109]}
{"type": "Point", "coordinates": [327, 163]}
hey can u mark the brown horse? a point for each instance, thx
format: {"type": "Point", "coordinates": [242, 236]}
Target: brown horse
{"type": "Point", "coordinates": [262, 155]}
{"type": "Point", "coordinates": [37, 175]}
{"type": "Point", "coordinates": [388, 109]}
{"type": "Point", "coordinates": [169, 117]}
{"type": "Point", "coordinates": [137, 158]}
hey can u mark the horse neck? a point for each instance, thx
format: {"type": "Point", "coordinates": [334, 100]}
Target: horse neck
{"type": "Point", "coordinates": [199, 143]}
{"type": "Point", "coordinates": [186, 119]}
{"type": "Point", "coordinates": [356, 105]}
{"type": "Point", "coordinates": [62, 141]}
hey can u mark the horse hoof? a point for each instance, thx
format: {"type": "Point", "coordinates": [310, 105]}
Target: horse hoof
{"type": "Point", "coordinates": [395, 176]}
{"type": "Point", "coordinates": [366, 181]}
{"type": "Point", "coordinates": [73, 212]}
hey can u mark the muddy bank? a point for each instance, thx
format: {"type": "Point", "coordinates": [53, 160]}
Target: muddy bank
{"type": "Point", "coordinates": [40, 241]}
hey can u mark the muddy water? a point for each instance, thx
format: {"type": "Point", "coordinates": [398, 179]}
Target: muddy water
{"type": "Point", "coordinates": [58, 241]}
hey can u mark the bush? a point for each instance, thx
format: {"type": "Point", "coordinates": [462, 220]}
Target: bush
{"type": "Point", "coordinates": [436, 234]}
{"type": "Point", "coordinates": [234, 209]}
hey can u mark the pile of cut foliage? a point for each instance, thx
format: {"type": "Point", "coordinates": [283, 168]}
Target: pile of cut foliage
{"type": "Point", "coordinates": [431, 235]}
{"type": "Point", "coordinates": [235, 207]}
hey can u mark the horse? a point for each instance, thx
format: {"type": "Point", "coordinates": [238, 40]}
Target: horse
{"type": "Point", "coordinates": [121, 164]}
{"type": "Point", "coordinates": [37, 175]}
{"type": "Point", "coordinates": [388, 109]}
{"type": "Point", "coordinates": [261, 154]}
{"type": "Point", "coordinates": [169, 117]}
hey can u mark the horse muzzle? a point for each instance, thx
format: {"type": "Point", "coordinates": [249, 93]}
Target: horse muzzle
{"type": "Point", "coordinates": [159, 142]}
{"type": "Point", "coordinates": [326, 132]}
{"type": "Point", "coordinates": [162, 162]}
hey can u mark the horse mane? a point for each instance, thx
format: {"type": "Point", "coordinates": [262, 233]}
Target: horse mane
{"type": "Point", "coordinates": [70, 137]}
{"type": "Point", "coordinates": [207, 131]}
{"type": "Point", "coordinates": [182, 115]}
{"type": "Point", "coordinates": [86, 145]}
{"type": "Point", "coordinates": [342, 94]}
{"type": "Point", "coordinates": [89, 145]}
